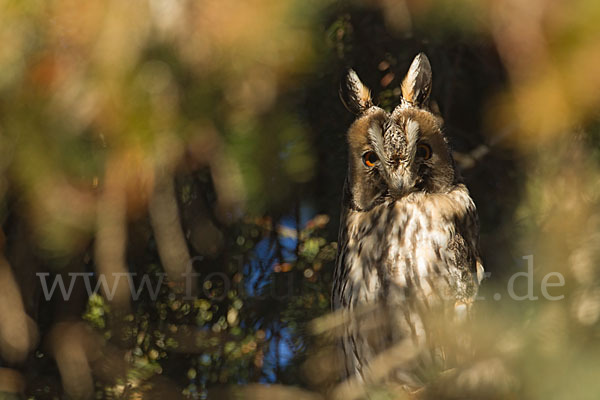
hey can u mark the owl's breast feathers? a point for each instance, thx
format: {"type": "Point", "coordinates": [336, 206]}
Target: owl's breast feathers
{"type": "Point", "coordinates": [423, 246]}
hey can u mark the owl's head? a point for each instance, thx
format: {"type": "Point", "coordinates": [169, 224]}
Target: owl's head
{"type": "Point", "coordinates": [395, 154]}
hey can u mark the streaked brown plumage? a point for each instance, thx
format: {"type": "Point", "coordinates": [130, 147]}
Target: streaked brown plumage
{"type": "Point", "coordinates": [408, 239]}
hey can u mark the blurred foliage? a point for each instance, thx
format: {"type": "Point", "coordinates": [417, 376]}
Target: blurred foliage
{"type": "Point", "coordinates": [155, 136]}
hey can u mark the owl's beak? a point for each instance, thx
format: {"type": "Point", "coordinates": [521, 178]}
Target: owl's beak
{"type": "Point", "coordinates": [400, 183]}
{"type": "Point", "coordinates": [396, 192]}
{"type": "Point", "coordinates": [395, 189]}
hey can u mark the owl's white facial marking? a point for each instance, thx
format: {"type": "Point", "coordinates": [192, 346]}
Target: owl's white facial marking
{"type": "Point", "coordinates": [399, 144]}
{"type": "Point", "coordinates": [375, 137]}
{"type": "Point", "coordinates": [412, 136]}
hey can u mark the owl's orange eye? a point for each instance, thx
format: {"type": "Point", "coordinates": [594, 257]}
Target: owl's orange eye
{"type": "Point", "coordinates": [370, 158]}
{"type": "Point", "coordinates": [423, 151]}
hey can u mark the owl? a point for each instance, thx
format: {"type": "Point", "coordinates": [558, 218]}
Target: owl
{"type": "Point", "coordinates": [408, 258]}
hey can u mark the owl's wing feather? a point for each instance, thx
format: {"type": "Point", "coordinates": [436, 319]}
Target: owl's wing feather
{"type": "Point", "coordinates": [468, 258]}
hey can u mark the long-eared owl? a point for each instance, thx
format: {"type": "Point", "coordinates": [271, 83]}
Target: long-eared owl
{"type": "Point", "coordinates": [408, 238]}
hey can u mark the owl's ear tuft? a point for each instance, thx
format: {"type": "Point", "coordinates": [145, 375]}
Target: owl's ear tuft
{"type": "Point", "coordinates": [354, 94]}
{"type": "Point", "coordinates": [416, 86]}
